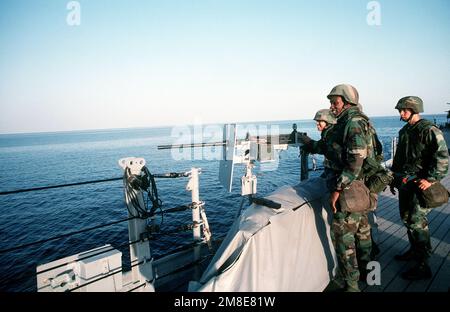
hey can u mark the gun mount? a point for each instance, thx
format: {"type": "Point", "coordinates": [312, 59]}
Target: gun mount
{"type": "Point", "coordinates": [248, 151]}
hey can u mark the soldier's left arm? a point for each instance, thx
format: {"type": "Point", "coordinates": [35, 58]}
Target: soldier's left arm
{"type": "Point", "coordinates": [319, 147]}
{"type": "Point", "coordinates": [355, 146]}
{"type": "Point", "coordinates": [439, 157]}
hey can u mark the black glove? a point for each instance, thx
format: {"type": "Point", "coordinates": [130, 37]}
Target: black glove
{"type": "Point", "coordinates": [392, 189]}
{"type": "Point", "coordinates": [397, 182]}
{"type": "Point", "coordinates": [304, 139]}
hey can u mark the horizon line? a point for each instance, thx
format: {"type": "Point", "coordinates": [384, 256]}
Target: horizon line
{"type": "Point", "coordinates": [174, 125]}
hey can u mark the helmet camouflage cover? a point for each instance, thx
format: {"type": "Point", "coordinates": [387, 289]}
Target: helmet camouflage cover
{"type": "Point", "coordinates": [348, 92]}
{"type": "Point", "coordinates": [414, 103]}
{"type": "Point", "coordinates": [325, 115]}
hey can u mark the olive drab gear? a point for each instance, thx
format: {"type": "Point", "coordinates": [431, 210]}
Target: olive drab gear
{"type": "Point", "coordinates": [325, 115]}
{"type": "Point", "coordinates": [347, 230]}
{"type": "Point", "coordinates": [349, 145]}
{"type": "Point", "coordinates": [378, 181]}
{"type": "Point", "coordinates": [355, 198]}
{"type": "Point", "coordinates": [352, 141]}
{"type": "Point", "coordinates": [434, 196]}
{"type": "Point", "coordinates": [414, 103]}
{"type": "Point", "coordinates": [414, 157]}
{"type": "Point", "coordinates": [414, 217]}
{"type": "Point", "coordinates": [376, 177]}
{"type": "Point", "coordinates": [421, 154]}
{"type": "Point", "coordinates": [347, 92]}
{"type": "Point", "coordinates": [319, 147]}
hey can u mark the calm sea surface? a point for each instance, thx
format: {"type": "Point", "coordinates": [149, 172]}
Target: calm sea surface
{"type": "Point", "coordinates": [41, 159]}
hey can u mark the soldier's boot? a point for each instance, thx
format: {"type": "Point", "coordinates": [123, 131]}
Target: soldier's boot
{"type": "Point", "coordinates": [420, 271]}
{"type": "Point", "coordinates": [363, 275]}
{"type": "Point", "coordinates": [374, 251]}
{"type": "Point", "coordinates": [407, 256]}
{"type": "Point", "coordinates": [362, 266]}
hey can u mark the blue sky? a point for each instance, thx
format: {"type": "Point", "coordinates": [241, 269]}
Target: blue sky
{"type": "Point", "coordinates": [151, 63]}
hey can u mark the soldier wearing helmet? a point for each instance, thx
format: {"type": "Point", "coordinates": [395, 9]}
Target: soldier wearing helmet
{"type": "Point", "coordinates": [366, 249]}
{"type": "Point", "coordinates": [325, 120]}
{"type": "Point", "coordinates": [412, 103]}
{"type": "Point", "coordinates": [352, 146]}
{"type": "Point", "coordinates": [420, 160]}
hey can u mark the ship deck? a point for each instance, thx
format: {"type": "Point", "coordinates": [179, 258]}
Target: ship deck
{"type": "Point", "coordinates": [392, 240]}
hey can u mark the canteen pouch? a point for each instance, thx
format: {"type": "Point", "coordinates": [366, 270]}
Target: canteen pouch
{"type": "Point", "coordinates": [379, 181]}
{"type": "Point", "coordinates": [355, 198]}
{"type": "Point", "coordinates": [434, 196]}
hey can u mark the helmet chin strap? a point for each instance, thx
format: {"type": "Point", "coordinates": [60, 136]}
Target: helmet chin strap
{"type": "Point", "coordinates": [410, 117]}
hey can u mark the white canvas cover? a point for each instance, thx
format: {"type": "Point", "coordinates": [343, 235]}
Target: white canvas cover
{"type": "Point", "coordinates": [286, 249]}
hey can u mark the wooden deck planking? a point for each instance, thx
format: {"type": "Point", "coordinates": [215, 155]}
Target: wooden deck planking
{"type": "Point", "coordinates": [392, 240]}
{"type": "Point", "coordinates": [399, 284]}
{"type": "Point", "coordinates": [436, 260]}
{"type": "Point", "coordinates": [397, 243]}
{"type": "Point", "coordinates": [441, 280]}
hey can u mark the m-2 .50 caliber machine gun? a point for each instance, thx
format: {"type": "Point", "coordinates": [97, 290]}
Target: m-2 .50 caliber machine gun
{"type": "Point", "coordinates": [247, 151]}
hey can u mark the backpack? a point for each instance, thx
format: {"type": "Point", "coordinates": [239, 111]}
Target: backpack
{"type": "Point", "coordinates": [376, 177]}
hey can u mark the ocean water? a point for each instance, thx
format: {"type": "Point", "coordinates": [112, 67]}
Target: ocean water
{"type": "Point", "coordinates": [41, 159]}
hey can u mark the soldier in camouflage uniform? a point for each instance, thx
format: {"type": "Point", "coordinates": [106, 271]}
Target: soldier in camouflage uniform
{"type": "Point", "coordinates": [351, 143]}
{"type": "Point", "coordinates": [324, 121]}
{"type": "Point", "coordinates": [421, 159]}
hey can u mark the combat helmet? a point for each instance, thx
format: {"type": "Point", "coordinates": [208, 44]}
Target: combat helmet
{"type": "Point", "coordinates": [325, 115]}
{"type": "Point", "coordinates": [414, 103]}
{"type": "Point", "coordinates": [348, 92]}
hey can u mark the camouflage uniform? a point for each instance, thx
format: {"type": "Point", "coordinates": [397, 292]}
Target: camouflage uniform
{"type": "Point", "coordinates": [350, 144]}
{"type": "Point", "coordinates": [347, 230]}
{"type": "Point", "coordinates": [421, 154]}
{"type": "Point", "coordinates": [320, 146]}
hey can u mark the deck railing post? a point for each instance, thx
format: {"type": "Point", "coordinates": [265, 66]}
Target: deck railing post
{"type": "Point", "coordinates": [140, 254]}
{"type": "Point", "coordinates": [303, 164]}
{"type": "Point", "coordinates": [193, 186]}
{"type": "Point", "coordinates": [393, 147]}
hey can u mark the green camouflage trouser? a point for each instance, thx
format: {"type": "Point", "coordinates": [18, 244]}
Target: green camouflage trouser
{"type": "Point", "coordinates": [348, 229]}
{"type": "Point", "coordinates": [415, 219]}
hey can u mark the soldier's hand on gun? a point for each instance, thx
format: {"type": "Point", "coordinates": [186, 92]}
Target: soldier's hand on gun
{"type": "Point", "coordinates": [303, 138]}
{"type": "Point", "coordinates": [334, 196]}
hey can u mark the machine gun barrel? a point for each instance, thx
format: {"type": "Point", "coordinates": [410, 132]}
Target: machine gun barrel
{"type": "Point", "coordinates": [279, 139]}
{"type": "Point", "coordinates": [190, 145]}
